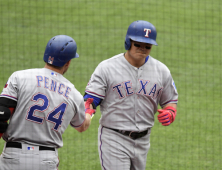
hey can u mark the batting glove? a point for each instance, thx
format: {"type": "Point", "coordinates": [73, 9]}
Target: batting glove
{"type": "Point", "coordinates": [87, 107]}
{"type": "Point", "coordinates": [167, 116]}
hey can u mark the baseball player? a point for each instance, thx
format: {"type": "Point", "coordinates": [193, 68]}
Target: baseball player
{"type": "Point", "coordinates": [40, 104]}
{"type": "Point", "coordinates": [129, 87]}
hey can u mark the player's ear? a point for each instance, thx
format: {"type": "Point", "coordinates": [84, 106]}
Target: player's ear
{"type": "Point", "coordinates": [68, 63]}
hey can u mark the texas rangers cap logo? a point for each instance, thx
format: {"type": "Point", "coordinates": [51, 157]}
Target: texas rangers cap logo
{"type": "Point", "coordinates": [147, 32]}
{"type": "Point", "coordinates": [50, 60]}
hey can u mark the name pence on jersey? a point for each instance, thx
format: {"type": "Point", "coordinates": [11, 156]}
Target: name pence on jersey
{"type": "Point", "coordinates": [53, 86]}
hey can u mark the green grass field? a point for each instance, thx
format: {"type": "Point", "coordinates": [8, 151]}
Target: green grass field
{"type": "Point", "coordinates": [189, 37]}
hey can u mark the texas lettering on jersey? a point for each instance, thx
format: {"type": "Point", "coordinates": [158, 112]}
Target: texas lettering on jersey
{"type": "Point", "coordinates": [124, 89]}
{"type": "Point", "coordinates": [53, 85]}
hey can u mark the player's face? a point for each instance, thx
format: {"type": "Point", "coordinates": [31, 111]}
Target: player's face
{"type": "Point", "coordinates": [140, 50]}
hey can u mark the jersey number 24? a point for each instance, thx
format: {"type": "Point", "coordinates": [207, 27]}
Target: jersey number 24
{"type": "Point", "coordinates": [54, 116]}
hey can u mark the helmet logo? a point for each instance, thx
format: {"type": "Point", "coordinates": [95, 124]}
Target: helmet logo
{"type": "Point", "coordinates": [147, 32]}
{"type": "Point", "coordinates": [50, 60]}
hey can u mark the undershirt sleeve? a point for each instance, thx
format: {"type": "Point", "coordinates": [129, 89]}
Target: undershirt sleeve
{"type": "Point", "coordinates": [96, 100]}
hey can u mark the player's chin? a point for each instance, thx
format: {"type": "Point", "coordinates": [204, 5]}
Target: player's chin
{"type": "Point", "coordinates": [142, 54]}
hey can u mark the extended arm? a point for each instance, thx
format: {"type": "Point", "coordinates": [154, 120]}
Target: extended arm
{"type": "Point", "coordinates": [89, 111]}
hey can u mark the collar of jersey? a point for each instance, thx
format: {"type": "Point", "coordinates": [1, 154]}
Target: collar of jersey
{"type": "Point", "coordinates": [146, 59]}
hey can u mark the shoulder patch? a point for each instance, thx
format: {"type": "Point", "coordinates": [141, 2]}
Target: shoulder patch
{"type": "Point", "coordinates": [6, 85]}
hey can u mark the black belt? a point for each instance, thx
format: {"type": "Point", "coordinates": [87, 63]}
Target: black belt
{"type": "Point", "coordinates": [19, 145]}
{"type": "Point", "coordinates": [133, 135]}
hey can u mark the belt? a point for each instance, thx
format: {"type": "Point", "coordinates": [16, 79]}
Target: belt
{"type": "Point", "coordinates": [133, 135]}
{"type": "Point", "coordinates": [19, 145]}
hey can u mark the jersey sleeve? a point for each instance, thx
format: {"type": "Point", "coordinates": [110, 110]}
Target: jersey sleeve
{"type": "Point", "coordinates": [169, 93]}
{"type": "Point", "coordinates": [97, 84]}
{"type": "Point", "coordinates": [79, 116]}
{"type": "Point", "coordinates": [10, 89]}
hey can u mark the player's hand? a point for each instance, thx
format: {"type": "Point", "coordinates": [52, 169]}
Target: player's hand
{"type": "Point", "coordinates": [88, 110]}
{"type": "Point", "coordinates": [166, 116]}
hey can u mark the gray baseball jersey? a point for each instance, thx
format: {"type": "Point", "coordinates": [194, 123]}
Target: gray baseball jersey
{"type": "Point", "coordinates": [46, 104]}
{"type": "Point", "coordinates": [131, 95]}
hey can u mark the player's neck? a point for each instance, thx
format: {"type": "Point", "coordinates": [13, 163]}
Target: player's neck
{"type": "Point", "coordinates": [60, 71]}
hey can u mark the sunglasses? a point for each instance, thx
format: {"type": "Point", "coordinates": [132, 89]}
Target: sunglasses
{"type": "Point", "coordinates": [137, 45]}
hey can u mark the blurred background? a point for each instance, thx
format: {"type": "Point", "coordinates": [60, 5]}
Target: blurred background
{"type": "Point", "coordinates": [189, 37]}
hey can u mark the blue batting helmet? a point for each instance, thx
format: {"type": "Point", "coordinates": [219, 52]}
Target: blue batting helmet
{"type": "Point", "coordinates": [59, 50]}
{"type": "Point", "coordinates": [140, 31]}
